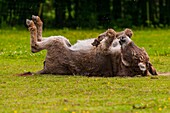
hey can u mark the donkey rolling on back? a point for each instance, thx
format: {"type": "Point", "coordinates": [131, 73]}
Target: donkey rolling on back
{"type": "Point", "coordinates": [111, 54]}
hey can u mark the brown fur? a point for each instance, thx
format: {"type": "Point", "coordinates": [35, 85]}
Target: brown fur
{"type": "Point", "coordinates": [101, 60]}
{"type": "Point", "coordinates": [60, 59]}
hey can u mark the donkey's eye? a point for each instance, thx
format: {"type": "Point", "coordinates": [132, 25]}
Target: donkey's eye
{"type": "Point", "coordinates": [123, 39]}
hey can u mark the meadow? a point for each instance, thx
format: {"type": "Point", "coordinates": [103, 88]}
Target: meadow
{"type": "Point", "coordinates": [81, 94]}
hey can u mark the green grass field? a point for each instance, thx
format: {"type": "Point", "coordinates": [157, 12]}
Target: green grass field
{"type": "Point", "coordinates": [80, 94]}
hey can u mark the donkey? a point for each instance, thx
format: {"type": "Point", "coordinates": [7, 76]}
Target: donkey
{"type": "Point", "coordinates": [109, 57]}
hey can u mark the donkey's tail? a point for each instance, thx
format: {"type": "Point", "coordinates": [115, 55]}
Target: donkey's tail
{"type": "Point", "coordinates": [26, 74]}
{"type": "Point", "coordinates": [164, 73]}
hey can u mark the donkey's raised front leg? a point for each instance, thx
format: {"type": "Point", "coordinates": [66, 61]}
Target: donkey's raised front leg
{"type": "Point", "coordinates": [99, 39]}
{"type": "Point", "coordinates": [105, 44]}
{"type": "Point", "coordinates": [105, 39]}
{"type": "Point", "coordinates": [111, 34]}
{"type": "Point", "coordinates": [39, 25]}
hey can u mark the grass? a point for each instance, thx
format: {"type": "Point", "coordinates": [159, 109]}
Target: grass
{"type": "Point", "coordinates": [79, 94]}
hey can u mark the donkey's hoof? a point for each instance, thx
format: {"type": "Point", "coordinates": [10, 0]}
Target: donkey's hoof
{"type": "Point", "coordinates": [36, 19]}
{"type": "Point", "coordinates": [111, 33]}
{"type": "Point", "coordinates": [28, 22]}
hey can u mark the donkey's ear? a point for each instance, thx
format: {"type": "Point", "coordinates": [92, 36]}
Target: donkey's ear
{"type": "Point", "coordinates": [128, 32]}
{"type": "Point", "coordinates": [152, 70]}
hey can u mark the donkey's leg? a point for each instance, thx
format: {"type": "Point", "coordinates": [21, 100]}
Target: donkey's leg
{"type": "Point", "coordinates": [35, 45]}
{"type": "Point", "coordinates": [33, 32]}
{"type": "Point", "coordinates": [39, 25]}
{"type": "Point", "coordinates": [109, 36]}
{"type": "Point", "coordinates": [99, 39]}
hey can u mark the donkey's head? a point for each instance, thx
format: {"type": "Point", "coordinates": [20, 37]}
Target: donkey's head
{"type": "Point", "coordinates": [135, 58]}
